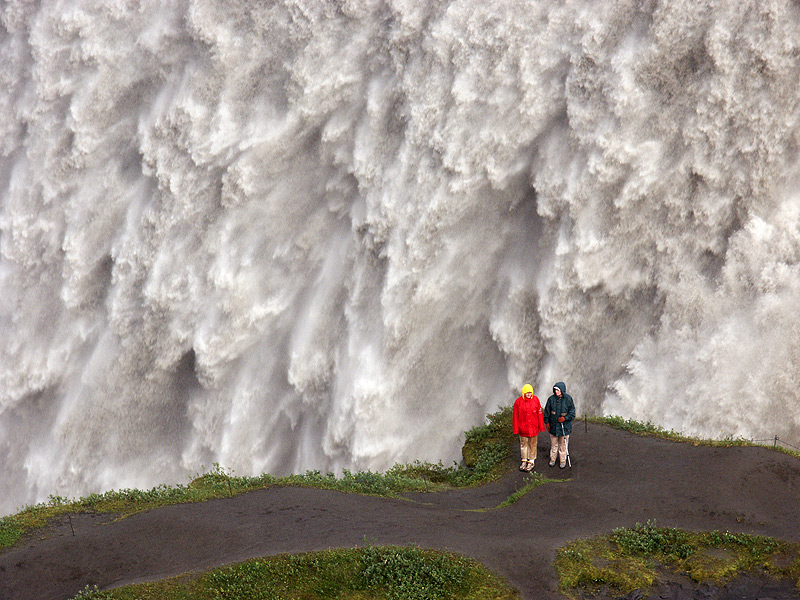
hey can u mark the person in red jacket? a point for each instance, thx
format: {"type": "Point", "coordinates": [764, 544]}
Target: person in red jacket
{"type": "Point", "coordinates": [527, 421]}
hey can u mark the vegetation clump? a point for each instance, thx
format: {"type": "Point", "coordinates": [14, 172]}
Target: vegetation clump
{"type": "Point", "coordinates": [630, 558]}
{"type": "Point", "coordinates": [496, 432]}
{"type": "Point", "coordinates": [375, 572]}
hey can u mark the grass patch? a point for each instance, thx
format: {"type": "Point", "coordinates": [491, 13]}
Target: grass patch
{"type": "Point", "coordinates": [490, 447]}
{"type": "Point", "coordinates": [379, 573]}
{"type": "Point", "coordinates": [534, 481]}
{"type": "Point", "coordinates": [629, 558]}
{"type": "Point", "coordinates": [652, 430]}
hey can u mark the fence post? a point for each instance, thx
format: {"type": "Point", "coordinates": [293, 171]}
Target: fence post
{"type": "Point", "coordinates": [775, 443]}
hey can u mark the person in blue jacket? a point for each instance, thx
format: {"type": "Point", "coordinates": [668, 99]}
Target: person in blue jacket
{"type": "Point", "coordinates": [559, 412]}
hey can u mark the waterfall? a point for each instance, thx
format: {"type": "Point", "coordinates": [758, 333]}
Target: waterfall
{"type": "Point", "coordinates": [301, 235]}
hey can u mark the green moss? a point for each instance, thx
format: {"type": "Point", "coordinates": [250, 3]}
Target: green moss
{"type": "Point", "coordinates": [590, 564]}
{"type": "Point", "coordinates": [629, 558]}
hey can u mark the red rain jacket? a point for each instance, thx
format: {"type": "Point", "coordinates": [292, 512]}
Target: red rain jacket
{"type": "Point", "coordinates": [527, 419]}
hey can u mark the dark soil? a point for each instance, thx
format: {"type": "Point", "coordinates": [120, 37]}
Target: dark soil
{"type": "Point", "coordinates": [617, 480]}
{"type": "Point", "coordinates": [674, 586]}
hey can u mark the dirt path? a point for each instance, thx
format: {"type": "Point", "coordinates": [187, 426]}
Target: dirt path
{"type": "Point", "coordinates": [617, 479]}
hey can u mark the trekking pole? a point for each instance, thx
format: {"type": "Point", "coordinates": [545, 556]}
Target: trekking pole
{"type": "Point", "coordinates": [566, 445]}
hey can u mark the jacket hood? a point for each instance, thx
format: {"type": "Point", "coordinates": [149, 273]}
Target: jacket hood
{"type": "Point", "coordinates": [527, 388]}
{"type": "Point", "coordinates": [560, 385]}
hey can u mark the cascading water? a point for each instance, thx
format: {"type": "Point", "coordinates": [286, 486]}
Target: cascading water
{"type": "Point", "coordinates": [323, 235]}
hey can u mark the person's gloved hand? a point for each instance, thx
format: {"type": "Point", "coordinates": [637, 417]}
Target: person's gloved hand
{"type": "Point", "coordinates": [561, 419]}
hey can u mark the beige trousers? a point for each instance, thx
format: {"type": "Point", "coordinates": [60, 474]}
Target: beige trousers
{"type": "Point", "coordinates": [527, 448]}
{"type": "Point", "coordinates": [558, 446]}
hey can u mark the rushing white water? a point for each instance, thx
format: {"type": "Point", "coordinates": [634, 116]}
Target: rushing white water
{"type": "Point", "coordinates": [326, 235]}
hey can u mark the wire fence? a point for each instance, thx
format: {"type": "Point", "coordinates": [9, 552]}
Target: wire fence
{"type": "Point", "coordinates": [776, 441]}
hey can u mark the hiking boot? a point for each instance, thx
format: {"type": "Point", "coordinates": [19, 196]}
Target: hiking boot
{"type": "Point", "coordinates": [552, 463]}
{"type": "Point", "coordinates": [562, 465]}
